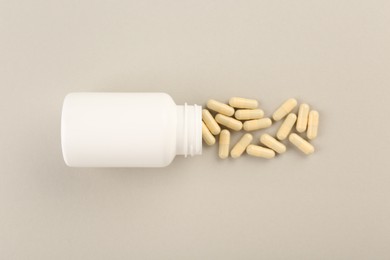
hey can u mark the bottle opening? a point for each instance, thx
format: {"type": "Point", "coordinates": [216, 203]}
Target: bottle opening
{"type": "Point", "coordinates": [189, 130]}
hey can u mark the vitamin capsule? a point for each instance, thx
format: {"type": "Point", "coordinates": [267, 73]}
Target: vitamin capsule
{"type": "Point", "coordinates": [284, 109]}
{"type": "Point", "coordinates": [248, 114]}
{"type": "Point", "coordinates": [303, 114]}
{"type": "Point", "coordinates": [210, 122]}
{"type": "Point", "coordinates": [312, 128]}
{"type": "Point", "coordinates": [239, 102]}
{"type": "Point", "coordinates": [257, 124]}
{"type": "Point", "coordinates": [229, 122]}
{"type": "Point", "coordinates": [207, 136]}
{"type": "Point", "coordinates": [286, 127]}
{"type": "Point", "coordinates": [272, 143]}
{"type": "Point", "coordinates": [258, 151]}
{"type": "Point", "coordinates": [220, 107]}
{"type": "Point", "coordinates": [224, 143]}
{"type": "Point", "coordinates": [301, 144]}
{"type": "Point", "coordinates": [241, 145]}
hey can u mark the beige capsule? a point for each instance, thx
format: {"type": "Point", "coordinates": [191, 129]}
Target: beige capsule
{"type": "Point", "coordinates": [272, 143]}
{"type": "Point", "coordinates": [284, 109]}
{"type": "Point", "coordinates": [241, 145]}
{"type": "Point", "coordinates": [301, 144]}
{"type": "Point", "coordinates": [224, 144]}
{"type": "Point", "coordinates": [207, 136]}
{"type": "Point", "coordinates": [286, 126]}
{"type": "Point", "coordinates": [259, 151]}
{"type": "Point", "coordinates": [303, 115]}
{"type": "Point", "coordinates": [229, 122]}
{"type": "Point", "coordinates": [248, 114]}
{"type": "Point", "coordinates": [312, 128]}
{"type": "Point", "coordinates": [220, 107]}
{"type": "Point", "coordinates": [257, 124]}
{"type": "Point", "coordinates": [239, 102]}
{"type": "Point", "coordinates": [210, 122]}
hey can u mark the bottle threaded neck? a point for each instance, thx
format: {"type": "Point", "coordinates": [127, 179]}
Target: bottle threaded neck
{"type": "Point", "coordinates": [189, 130]}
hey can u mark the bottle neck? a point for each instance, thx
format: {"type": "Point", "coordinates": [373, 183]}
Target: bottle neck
{"type": "Point", "coordinates": [189, 130]}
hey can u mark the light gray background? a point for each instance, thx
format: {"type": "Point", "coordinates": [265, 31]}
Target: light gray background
{"type": "Point", "coordinates": [334, 204]}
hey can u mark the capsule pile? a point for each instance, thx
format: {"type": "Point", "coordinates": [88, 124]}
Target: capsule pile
{"type": "Point", "coordinates": [244, 114]}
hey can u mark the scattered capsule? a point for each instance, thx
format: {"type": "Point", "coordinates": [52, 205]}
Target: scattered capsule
{"type": "Point", "coordinates": [207, 136]}
{"type": "Point", "coordinates": [224, 143]}
{"type": "Point", "coordinates": [239, 102]}
{"type": "Point", "coordinates": [312, 128]}
{"type": "Point", "coordinates": [257, 124]}
{"type": "Point", "coordinates": [258, 151]}
{"type": "Point", "coordinates": [241, 145]}
{"type": "Point", "coordinates": [220, 107]}
{"type": "Point", "coordinates": [286, 126]}
{"type": "Point", "coordinates": [229, 122]}
{"type": "Point", "coordinates": [210, 122]}
{"type": "Point", "coordinates": [301, 144]}
{"type": "Point", "coordinates": [284, 109]}
{"type": "Point", "coordinates": [272, 143]}
{"type": "Point", "coordinates": [303, 114]}
{"type": "Point", "coordinates": [248, 114]}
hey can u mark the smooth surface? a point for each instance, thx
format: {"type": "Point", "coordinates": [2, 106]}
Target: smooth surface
{"type": "Point", "coordinates": [284, 109]}
{"type": "Point", "coordinates": [333, 204]}
{"type": "Point", "coordinates": [210, 122]}
{"type": "Point", "coordinates": [313, 124]}
{"type": "Point", "coordinates": [220, 107]}
{"type": "Point", "coordinates": [119, 129]}
{"type": "Point", "coordinates": [301, 143]}
{"type": "Point", "coordinates": [256, 124]}
{"type": "Point", "coordinates": [286, 127]}
{"type": "Point", "coordinates": [239, 102]}
{"type": "Point", "coordinates": [303, 114]}
{"type": "Point", "coordinates": [224, 144]}
{"type": "Point", "coordinates": [273, 143]}
{"type": "Point", "coordinates": [207, 136]}
{"type": "Point", "coordinates": [259, 151]}
{"type": "Point", "coordinates": [228, 122]}
{"type": "Point", "coordinates": [248, 114]}
{"type": "Point", "coordinates": [239, 148]}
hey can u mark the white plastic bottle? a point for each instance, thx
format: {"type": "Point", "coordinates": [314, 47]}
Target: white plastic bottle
{"type": "Point", "coordinates": [128, 130]}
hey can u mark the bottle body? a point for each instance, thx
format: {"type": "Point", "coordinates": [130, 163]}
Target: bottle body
{"type": "Point", "coordinates": [127, 130]}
